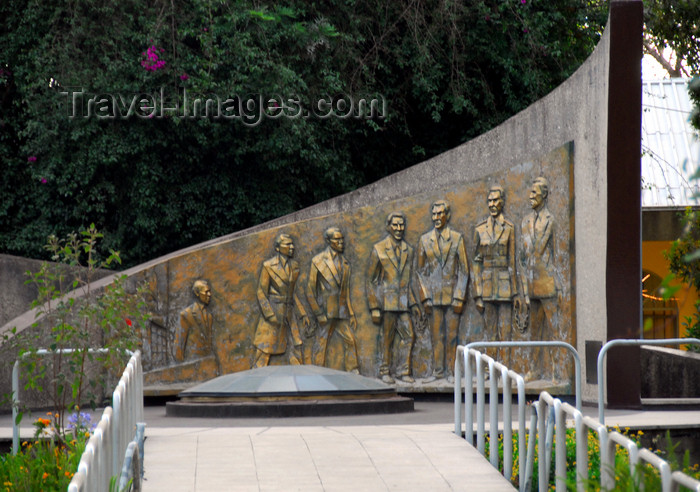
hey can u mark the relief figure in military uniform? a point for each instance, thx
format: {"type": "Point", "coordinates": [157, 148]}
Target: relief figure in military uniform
{"type": "Point", "coordinates": [193, 339]}
{"type": "Point", "coordinates": [494, 273]}
{"type": "Point", "coordinates": [328, 293]}
{"type": "Point", "coordinates": [390, 297]}
{"type": "Point", "coordinates": [277, 330]}
{"type": "Point", "coordinates": [537, 271]}
{"type": "Point", "coordinates": [443, 274]}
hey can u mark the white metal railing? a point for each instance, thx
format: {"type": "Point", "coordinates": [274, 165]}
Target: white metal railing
{"type": "Point", "coordinates": [15, 386]}
{"type": "Point", "coordinates": [463, 367]}
{"type": "Point", "coordinates": [541, 343]}
{"type": "Point", "coordinates": [132, 470]}
{"type": "Point", "coordinates": [549, 416]}
{"type": "Point", "coordinates": [118, 427]}
{"type": "Point", "coordinates": [548, 424]}
{"type": "Point", "coordinates": [628, 342]}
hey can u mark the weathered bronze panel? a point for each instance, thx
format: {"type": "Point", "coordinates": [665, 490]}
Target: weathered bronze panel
{"type": "Point", "coordinates": [333, 290]}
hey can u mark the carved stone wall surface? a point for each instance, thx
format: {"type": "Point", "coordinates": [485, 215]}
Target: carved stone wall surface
{"type": "Point", "coordinates": [233, 271]}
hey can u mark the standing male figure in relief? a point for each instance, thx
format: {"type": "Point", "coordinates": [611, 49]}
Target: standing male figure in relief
{"type": "Point", "coordinates": [390, 297]}
{"type": "Point", "coordinates": [328, 293]}
{"type": "Point", "coordinates": [277, 330]}
{"type": "Point", "coordinates": [194, 337]}
{"type": "Point", "coordinates": [443, 274]}
{"type": "Point", "coordinates": [494, 273]}
{"type": "Point", "coordinates": [537, 271]}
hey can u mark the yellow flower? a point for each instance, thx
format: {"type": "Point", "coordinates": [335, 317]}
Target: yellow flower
{"type": "Point", "coordinates": [44, 476]}
{"type": "Point", "coordinates": [7, 484]}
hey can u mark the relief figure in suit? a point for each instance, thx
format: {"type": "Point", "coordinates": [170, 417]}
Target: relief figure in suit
{"type": "Point", "coordinates": [328, 293]}
{"type": "Point", "coordinates": [194, 337]}
{"type": "Point", "coordinates": [443, 274]}
{"type": "Point", "coordinates": [494, 273]}
{"type": "Point", "coordinates": [537, 272]}
{"type": "Point", "coordinates": [390, 297]}
{"type": "Point", "coordinates": [277, 330]}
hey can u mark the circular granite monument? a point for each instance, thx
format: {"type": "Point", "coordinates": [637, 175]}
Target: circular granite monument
{"type": "Point", "coordinates": [288, 391]}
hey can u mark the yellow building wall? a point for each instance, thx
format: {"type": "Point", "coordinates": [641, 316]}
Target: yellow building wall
{"type": "Point", "coordinates": [654, 261]}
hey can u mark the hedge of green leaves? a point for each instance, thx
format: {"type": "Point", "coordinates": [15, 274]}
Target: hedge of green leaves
{"type": "Point", "coordinates": [447, 70]}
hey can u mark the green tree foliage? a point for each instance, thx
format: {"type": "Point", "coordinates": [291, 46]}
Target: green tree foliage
{"type": "Point", "coordinates": [448, 71]}
{"type": "Point", "coordinates": [673, 24]}
{"type": "Point", "coordinates": [694, 92]}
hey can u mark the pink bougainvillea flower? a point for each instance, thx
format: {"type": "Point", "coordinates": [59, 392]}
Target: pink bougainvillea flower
{"type": "Point", "coordinates": [184, 76]}
{"type": "Point", "coordinates": [31, 158]}
{"type": "Point", "coordinates": [523, 2]}
{"type": "Point", "coordinates": [44, 181]}
{"type": "Point", "coordinates": [152, 61]}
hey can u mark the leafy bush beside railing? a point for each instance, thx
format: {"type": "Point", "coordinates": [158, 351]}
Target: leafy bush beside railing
{"type": "Point", "coordinates": [646, 477]}
{"type": "Point", "coordinates": [74, 317]}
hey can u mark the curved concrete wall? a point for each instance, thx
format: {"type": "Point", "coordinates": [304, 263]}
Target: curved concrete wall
{"type": "Point", "coordinates": [584, 111]}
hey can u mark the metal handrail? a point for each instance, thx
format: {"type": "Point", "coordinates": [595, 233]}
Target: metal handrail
{"type": "Point", "coordinates": [541, 343]}
{"type": "Point", "coordinates": [103, 452]}
{"type": "Point", "coordinates": [549, 416]}
{"type": "Point", "coordinates": [507, 376]}
{"type": "Point", "coordinates": [548, 406]}
{"type": "Point", "coordinates": [463, 367]}
{"type": "Point", "coordinates": [15, 384]}
{"type": "Point", "coordinates": [627, 342]}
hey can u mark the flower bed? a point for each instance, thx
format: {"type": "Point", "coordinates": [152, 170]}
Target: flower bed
{"type": "Point", "coordinates": [49, 461]}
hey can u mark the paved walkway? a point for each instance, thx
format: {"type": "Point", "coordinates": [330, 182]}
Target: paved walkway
{"type": "Point", "coordinates": [408, 452]}
{"type": "Point", "coordinates": [415, 451]}
{"type": "Point", "coordinates": [356, 453]}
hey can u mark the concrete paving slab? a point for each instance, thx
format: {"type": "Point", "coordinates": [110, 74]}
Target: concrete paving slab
{"type": "Point", "coordinates": [325, 458]}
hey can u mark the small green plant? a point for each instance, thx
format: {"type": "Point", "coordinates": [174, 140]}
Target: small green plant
{"type": "Point", "coordinates": [114, 485]}
{"type": "Point", "coordinates": [73, 319]}
{"type": "Point", "coordinates": [645, 475]}
{"type": "Point", "coordinates": [70, 327]}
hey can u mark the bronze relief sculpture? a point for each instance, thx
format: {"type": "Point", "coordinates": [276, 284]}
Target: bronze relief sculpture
{"type": "Point", "coordinates": [277, 330]}
{"type": "Point", "coordinates": [537, 271]}
{"type": "Point", "coordinates": [390, 297]}
{"type": "Point", "coordinates": [194, 339]}
{"type": "Point", "coordinates": [494, 273]}
{"type": "Point", "coordinates": [443, 274]}
{"type": "Point", "coordinates": [328, 293]}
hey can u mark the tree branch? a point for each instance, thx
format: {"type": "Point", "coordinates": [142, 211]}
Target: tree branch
{"type": "Point", "coordinates": [651, 49]}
